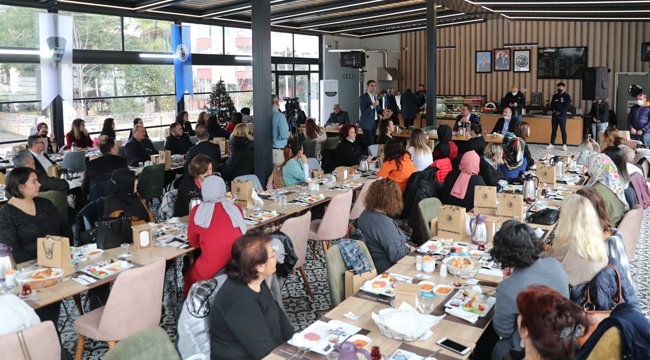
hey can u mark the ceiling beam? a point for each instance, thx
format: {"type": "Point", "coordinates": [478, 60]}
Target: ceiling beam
{"type": "Point", "coordinates": [366, 15]}
{"type": "Point", "coordinates": [228, 9]}
{"type": "Point", "coordinates": [409, 21]}
{"type": "Point", "coordinates": [287, 16]}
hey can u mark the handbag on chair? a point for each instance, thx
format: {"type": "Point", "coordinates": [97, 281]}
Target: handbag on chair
{"type": "Point", "coordinates": [113, 232]}
{"type": "Point", "coordinates": [594, 317]}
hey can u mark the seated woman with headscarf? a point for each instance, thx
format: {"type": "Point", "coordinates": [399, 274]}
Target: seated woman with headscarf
{"type": "Point", "coordinates": [514, 161]}
{"type": "Point", "coordinates": [458, 188]}
{"type": "Point", "coordinates": [124, 198]}
{"type": "Point", "coordinates": [444, 138]}
{"type": "Point", "coordinates": [605, 180]}
{"type": "Point", "coordinates": [213, 227]}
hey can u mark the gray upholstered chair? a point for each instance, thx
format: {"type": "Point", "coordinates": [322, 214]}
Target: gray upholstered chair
{"type": "Point", "coordinates": [336, 271]}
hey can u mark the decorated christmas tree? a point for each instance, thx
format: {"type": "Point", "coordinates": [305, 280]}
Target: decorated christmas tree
{"type": "Point", "coordinates": [220, 103]}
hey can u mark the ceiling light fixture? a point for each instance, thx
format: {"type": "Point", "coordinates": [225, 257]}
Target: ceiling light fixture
{"type": "Point", "coordinates": [567, 18]}
{"type": "Point", "coordinates": [440, 48]}
{"type": "Point", "coordinates": [364, 18]}
{"type": "Point", "coordinates": [420, 28]}
{"type": "Point", "coordinates": [317, 11]}
{"type": "Point", "coordinates": [530, 3]}
{"type": "Point", "coordinates": [400, 22]}
{"type": "Point", "coordinates": [153, 5]}
{"type": "Point", "coordinates": [174, 13]}
{"type": "Point", "coordinates": [242, 8]}
{"type": "Point", "coordinates": [156, 56]}
{"type": "Point", "coordinates": [573, 11]}
{"type": "Point", "coordinates": [92, 4]}
{"type": "Point", "coordinates": [20, 52]}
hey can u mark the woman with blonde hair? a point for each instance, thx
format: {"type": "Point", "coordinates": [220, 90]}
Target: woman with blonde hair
{"type": "Point", "coordinates": [421, 153]}
{"type": "Point", "coordinates": [579, 247]}
{"type": "Point", "coordinates": [316, 133]}
{"type": "Point", "coordinates": [78, 135]}
{"type": "Point", "coordinates": [489, 166]}
{"type": "Point", "coordinates": [240, 141]}
{"type": "Point", "coordinates": [386, 242]}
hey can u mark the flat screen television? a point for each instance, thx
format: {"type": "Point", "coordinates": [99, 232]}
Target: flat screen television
{"type": "Point", "coordinates": [561, 63]}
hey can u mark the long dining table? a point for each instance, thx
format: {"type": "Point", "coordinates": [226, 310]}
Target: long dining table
{"type": "Point", "coordinates": [495, 138]}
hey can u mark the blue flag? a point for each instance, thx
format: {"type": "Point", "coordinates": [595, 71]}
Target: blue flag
{"type": "Point", "coordinates": [181, 42]}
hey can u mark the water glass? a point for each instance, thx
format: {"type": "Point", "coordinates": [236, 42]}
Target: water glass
{"type": "Point", "coordinates": [426, 300]}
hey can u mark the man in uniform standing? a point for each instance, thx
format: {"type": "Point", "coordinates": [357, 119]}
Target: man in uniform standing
{"type": "Point", "coordinates": [516, 101]}
{"type": "Point", "coordinates": [560, 104]}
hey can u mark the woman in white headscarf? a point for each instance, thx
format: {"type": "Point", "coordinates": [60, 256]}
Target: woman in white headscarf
{"type": "Point", "coordinates": [213, 227]}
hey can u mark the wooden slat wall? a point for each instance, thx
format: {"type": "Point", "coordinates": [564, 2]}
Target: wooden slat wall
{"type": "Point", "coordinates": [616, 45]}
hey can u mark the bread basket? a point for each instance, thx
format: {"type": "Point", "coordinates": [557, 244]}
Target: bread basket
{"type": "Point", "coordinates": [466, 272]}
{"type": "Point", "coordinates": [25, 277]}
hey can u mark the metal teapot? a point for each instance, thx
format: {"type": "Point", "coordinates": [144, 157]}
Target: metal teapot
{"type": "Point", "coordinates": [7, 261]}
{"type": "Point", "coordinates": [363, 164]}
{"type": "Point", "coordinates": [194, 201]}
{"type": "Point", "coordinates": [479, 230]}
{"type": "Point", "coordinates": [530, 186]}
{"type": "Point", "coordinates": [558, 162]}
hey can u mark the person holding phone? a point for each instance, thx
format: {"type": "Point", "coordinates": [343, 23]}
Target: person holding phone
{"type": "Point", "coordinates": [599, 117]}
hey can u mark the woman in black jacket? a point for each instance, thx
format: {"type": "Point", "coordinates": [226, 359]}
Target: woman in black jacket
{"type": "Point", "coordinates": [183, 118]}
{"type": "Point", "coordinates": [523, 130]}
{"type": "Point", "coordinates": [599, 117]}
{"type": "Point", "coordinates": [475, 143]}
{"type": "Point", "coordinates": [240, 141]}
{"type": "Point", "coordinates": [348, 152]}
{"type": "Point", "coordinates": [489, 167]}
{"type": "Point", "coordinates": [199, 168]}
{"type": "Point", "coordinates": [109, 128]}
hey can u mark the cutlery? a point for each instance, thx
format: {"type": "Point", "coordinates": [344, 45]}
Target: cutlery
{"type": "Point", "coordinates": [433, 354]}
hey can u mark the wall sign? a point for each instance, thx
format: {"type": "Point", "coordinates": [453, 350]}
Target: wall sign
{"type": "Point", "coordinates": [348, 76]}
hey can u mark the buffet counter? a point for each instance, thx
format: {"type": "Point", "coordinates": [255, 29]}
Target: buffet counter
{"type": "Point", "coordinates": [540, 127]}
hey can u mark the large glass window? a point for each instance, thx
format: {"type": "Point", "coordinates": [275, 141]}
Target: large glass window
{"type": "Point", "coordinates": [195, 105]}
{"type": "Point", "coordinates": [19, 26]}
{"type": "Point", "coordinates": [96, 32]}
{"type": "Point", "coordinates": [306, 46]}
{"type": "Point", "coordinates": [147, 35]}
{"type": "Point", "coordinates": [206, 39]}
{"type": "Point", "coordinates": [18, 120]}
{"type": "Point", "coordinates": [238, 41]}
{"type": "Point", "coordinates": [281, 44]}
{"type": "Point", "coordinates": [237, 78]}
{"type": "Point", "coordinates": [18, 82]}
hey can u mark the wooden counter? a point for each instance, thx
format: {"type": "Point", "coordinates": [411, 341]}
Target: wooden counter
{"type": "Point", "coordinates": [540, 128]}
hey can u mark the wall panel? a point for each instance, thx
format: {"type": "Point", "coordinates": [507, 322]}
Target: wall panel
{"type": "Point", "coordinates": [612, 44]}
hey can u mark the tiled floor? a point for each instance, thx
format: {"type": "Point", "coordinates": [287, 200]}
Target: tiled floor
{"type": "Point", "coordinates": [302, 311]}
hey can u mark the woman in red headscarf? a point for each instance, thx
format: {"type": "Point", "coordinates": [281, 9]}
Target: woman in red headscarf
{"type": "Point", "coordinates": [458, 188]}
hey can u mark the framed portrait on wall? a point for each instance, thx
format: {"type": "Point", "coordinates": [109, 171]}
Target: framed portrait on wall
{"type": "Point", "coordinates": [522, 60]}
{"type": "Point", "coordinates": [501, 59]}
{"type": "Point", "coordinates": [483, 61]}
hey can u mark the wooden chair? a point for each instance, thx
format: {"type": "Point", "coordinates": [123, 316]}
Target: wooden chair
{"type": "Point", "coordinates": [297, 229]}
{"type": "Point", "coordinates": [42, 343]}
{"type": "Point", "coordinates": [334, 224]}
{"type": "Point", "coordinates": [130, 308]}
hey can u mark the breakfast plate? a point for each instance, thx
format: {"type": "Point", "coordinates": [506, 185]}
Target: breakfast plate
{"type": "Point", "coordinates": [310, 199]}
{"type": "Point", "coordinates": [92, 254]}
{"type": "Point", "coordinates": [260, 216]}
{"type": "Point", "coordinates": [472, 302]}
{"type": "Point", "coordinates": [103, 269]}
{"type": "Point", "coordinates": [321, 337]}
{"type": "Point", "coordinates": [384, 284]}
{"type": "Point", "coordinates": [431, 246]}
{"type": "Point", "coordinates": [165, 238]}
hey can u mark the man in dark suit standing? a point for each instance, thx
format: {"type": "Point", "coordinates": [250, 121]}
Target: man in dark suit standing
{"type": "Point", "coordinates": [560, 104]}
{"type": "Point", "coordinates": [465, 117]}
{"type": "Point", "coordinates": [338, 116]}
{"type": "Point", "coordinates": [102, 168]}
{"type": "Point", "coordinates": [409, 104]}
{"type": "Point", "coordinates": [204, 147]}
{"type": "Point", "coordinates": [369, 106]}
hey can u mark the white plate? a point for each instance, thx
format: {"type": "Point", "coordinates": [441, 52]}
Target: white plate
{"type": "Point", "coordinates": [353, 338]}
{"type": "Point", "coordinates": [165, 238]}
{"type": "Point", "coordinates": [98, 253]}
{"type": "Point", "coordinates": [333, 330]}
{"type": "Point", "coordinates": [424, 248]}
{"type": "Point", "coordinates": [487, 302]}
{"type": "Point", "coordinates": [389, 287]}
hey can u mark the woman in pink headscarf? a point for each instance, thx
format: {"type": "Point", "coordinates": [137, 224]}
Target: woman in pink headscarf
{"type": "Point", "coordinates": [458, 188]}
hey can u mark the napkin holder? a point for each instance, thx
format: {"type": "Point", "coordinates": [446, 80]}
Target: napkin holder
{"type": "Point", "coordinates": [342, 173]}
{"type": "Point", "coordinates": [142, 236]}
{"type": "Point", "coordinates": [155, 159]}
{"type": "Point", "coordinates": [165, 157]}
{"type": "Point", "coordinates": [406, 293]}
{"type": "Point", "coordinates": [434, 227]}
